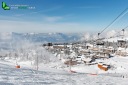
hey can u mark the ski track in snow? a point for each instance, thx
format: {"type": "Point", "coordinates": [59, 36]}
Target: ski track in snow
{"type": "Point", "coordinates": [9, 75]}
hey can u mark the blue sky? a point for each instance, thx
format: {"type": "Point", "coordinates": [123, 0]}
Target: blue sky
{"type": "Point", "coordinates": [63, 16]}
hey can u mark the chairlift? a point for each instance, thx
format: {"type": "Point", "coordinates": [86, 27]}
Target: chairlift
{"type": "Point", "coordinates": [99, 42]}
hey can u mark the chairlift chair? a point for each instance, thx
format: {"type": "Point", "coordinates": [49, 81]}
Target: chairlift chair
{"type": "Point", "coordinates": [99, 42]}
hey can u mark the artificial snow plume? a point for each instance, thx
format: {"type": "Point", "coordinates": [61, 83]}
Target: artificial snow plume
{"type": "Point", "coordinates": [24, 50]}
{"type": "Point", "coordinates": [22, 44]}
{"type": "Point", "coordinates": [94, 36]}
{"type": "Point", "coordinates": [111, 33]}
{"type": "Point", "coordinates": [86, 36]}
{"type": "Point", "coordinates": [44, 56]}
{"type": "Point", "coordinates": [126, 33]}
{"type": "Point", "coordinates": [37, 53]}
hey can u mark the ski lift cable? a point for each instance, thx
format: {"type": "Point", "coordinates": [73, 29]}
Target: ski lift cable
{"type": "Point", "coordinates": [119, 16]}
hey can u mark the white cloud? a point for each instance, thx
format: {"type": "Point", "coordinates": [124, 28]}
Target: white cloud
{"type": "Point", "coordinates": [111, 33]}
{"type": "Point", "coordinates": [52, 19]}
{"type": "Point", "coordinates": [20, 26]}
{"type": "Point", "coordinates": [17, 15]}
{"type": "Point", "coordinates": [86, 36]}
{"type": "Point", "coordinates": [38, 12]}
{"type": "Point", "coordinates": [88, 7]}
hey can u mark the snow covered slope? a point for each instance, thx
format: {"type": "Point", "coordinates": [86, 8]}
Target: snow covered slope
{"type": "Point", "coordinates": [9, 75]}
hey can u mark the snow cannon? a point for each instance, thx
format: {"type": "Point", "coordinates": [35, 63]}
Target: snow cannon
{"type": "Point", "coordinates": [71, 71]}
{"type": "Point", "coordinates": [103, 67]}
{"type": "Point", "coordinates": [17, 66]}
{"type": "Point", "coordinates": [93, 74]}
